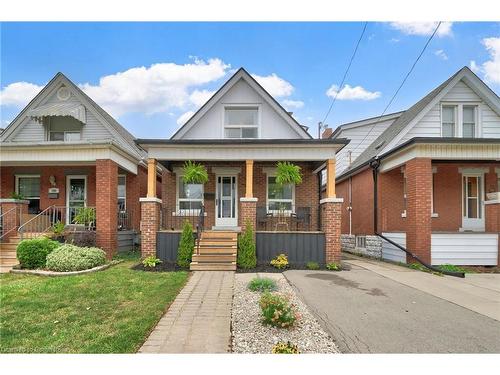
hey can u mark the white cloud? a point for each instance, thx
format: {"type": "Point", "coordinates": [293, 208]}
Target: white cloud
{"type": "Point", "coordinates": [490, 68]}
{"type": "Point", "coordinates": [352, 93]}
{"type": "Point", "coordinates": [394, 40]}
{"type": "Point", "coordinates": [200, 97]}
{"type": "Point", "coordinates": [288, 103]}
{"type": "Point", "coordinates": [423, 28]}
{"type": "Point", "coordinates": [441, 54]}
{"type": "Point", "coordinates": [184, 117]}
{"type": "Point", "coordinates": [275, 85]}
{"type": "Point", "coordinates": [18, 94]}
{"type": "Point", "coordinates": [155, 89]}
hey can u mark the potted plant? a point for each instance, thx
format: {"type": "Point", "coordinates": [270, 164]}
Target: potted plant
{"type": "Point", "coordinates": [288, 173]}
{"type": "Point", "coordinates": [85, 216]}
{"type": "Point", "coordinates": [194, 173]}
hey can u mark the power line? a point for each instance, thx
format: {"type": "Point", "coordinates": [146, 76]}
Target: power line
{"type": "Point", "coordinates": [345, 74]}
{"type": "Point", "coordinates": [400, 86]}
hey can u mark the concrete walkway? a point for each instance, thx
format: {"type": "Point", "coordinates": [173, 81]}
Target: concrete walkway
{"type": "Point", "coordinates": [477, 292]}
{"type": "Point", "coordinates": [199, 320]}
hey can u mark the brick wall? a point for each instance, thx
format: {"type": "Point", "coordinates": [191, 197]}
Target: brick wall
{"type": "Point", "coordinates": [306, 194]}
{"type": "Point", "coordinates": [330, 224]}
{"type": "Point", "coordinates": [150, 224]}
{"type": "Point", "coordinates": [106, 205]}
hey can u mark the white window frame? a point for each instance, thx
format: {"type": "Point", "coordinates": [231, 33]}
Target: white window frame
{"type": "Point", "coordinates": [229, 126]}
{"type": "Point", "coordinates": [65, 135]}
{"type": "Point", "coordinates": [360, 240]}
{"type": "Point", "coordinates": [459, 107]}
{"type": "Point", "coordinates": [183, 212]}
{"type": "Point", "coordinates": [288, 212]}
{"type": "Point", "coordinates": [125, 196]}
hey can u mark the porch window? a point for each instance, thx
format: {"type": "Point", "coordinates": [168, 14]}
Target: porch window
{"type": "Point", "coordinates": [29, 188]}
{"type": "Point", "coordinates": [280, 198]}
{"type": "Point", "coordinates": [241, 122]}
{"type": "Point", "coordinates": [449, 121]}
{"type": "Point", "coordinates": [122, 193]}
{"type": "Point", "coordinates": [189, 197]}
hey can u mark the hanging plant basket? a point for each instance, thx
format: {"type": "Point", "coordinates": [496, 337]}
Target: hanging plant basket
{"type": "Point", "coordinates": [194, 173]}
{"type": "Point", "coordinates": [288, 173]}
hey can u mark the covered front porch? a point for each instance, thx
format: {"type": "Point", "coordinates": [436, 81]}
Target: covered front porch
{"type": "Point", "coordinates": [242, 189]}
{"type": "Point", "coordinates": [443, 206]}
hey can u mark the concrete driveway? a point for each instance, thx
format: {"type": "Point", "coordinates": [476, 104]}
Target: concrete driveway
{"type": "Point", "coordinates": [376, 307]}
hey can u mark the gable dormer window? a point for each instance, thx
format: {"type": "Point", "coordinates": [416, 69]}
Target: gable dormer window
{"type": "Point", "coordinates": [241, 122]}
{"type": "Point", "coordinates": [459, 120]}
{"type": "Point", "coordinates": [64, 128]}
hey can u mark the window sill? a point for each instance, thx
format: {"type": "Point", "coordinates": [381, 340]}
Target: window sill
{"type": "Point", "coordinates": [434, 214]}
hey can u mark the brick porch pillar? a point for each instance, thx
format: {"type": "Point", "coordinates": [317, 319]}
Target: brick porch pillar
{"type": "Point", "coordinates": [150, 224]}
{"type": "Point", "coordinates": [248, 212]}
{"type": "Point", "coordinates": [13, 211]}
{"type": "Point", "coordinates": [107, 206]}
{"type": "Point", "coordinates": [331, 209]}
{"type": "Point", "coordinates": [492, 217]}
{"type": "Point", "coordinates": [150, 213]}
{"type": "Point", "coordinates": [418, 214]}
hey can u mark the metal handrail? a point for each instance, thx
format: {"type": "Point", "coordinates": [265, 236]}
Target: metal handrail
{"type": "Point", "coordinates": [200, 227]}
{"type": "Point", "coordinates": [27, 224]}
{"type": "Point", "coordinates": [3, 215]}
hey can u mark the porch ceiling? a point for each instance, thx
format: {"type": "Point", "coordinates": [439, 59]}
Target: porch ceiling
{"type": "Point", "coordinates": [244, 149]}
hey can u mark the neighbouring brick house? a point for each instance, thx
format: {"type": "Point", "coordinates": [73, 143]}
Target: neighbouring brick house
{"type": "Point", "coordinates": [438, 177]}
{"type": "Point", "coordinates": [64, 152]}
{"type": "Point", "coordinates": [239, 135]}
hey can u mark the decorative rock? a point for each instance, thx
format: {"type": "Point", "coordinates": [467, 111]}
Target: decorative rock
{"type": "Point", "coordinates": [249, 335]}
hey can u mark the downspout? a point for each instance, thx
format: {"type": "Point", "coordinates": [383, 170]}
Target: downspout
{"type": "Point", "coordinates": [350, 206]}
{"type": "Point", "coordinates": [375, 164]}
{"type": "Point", "coordinates": [320, 190]}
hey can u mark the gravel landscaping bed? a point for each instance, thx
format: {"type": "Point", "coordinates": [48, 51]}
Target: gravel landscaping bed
{"type": "Point", "coordinates": [249, 335]}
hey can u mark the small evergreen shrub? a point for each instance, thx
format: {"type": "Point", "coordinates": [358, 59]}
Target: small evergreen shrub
{"type": "Point", "coordinates": [151, 261]}
{"type": "Point", "coordinates": [280, 262]}
{"type": "Point", "coordinates": [263, 284]}
{"type": "Point", "coordinates": [186, 246]}
{"type": "Point", "coordinates": [312, 265]}
{"type": "Point", "coordinates": [246, 257]}
{"type": "Point", "coordinates": [33, 253]}
{"type": "Point", "coordinates": [285, 348]}
{"type": "Point", "coordinates": [68, 258]}
{"type": "Point", "coordinates": [334, 266]}
{"type": "Point", "coordinates": [277, 311]}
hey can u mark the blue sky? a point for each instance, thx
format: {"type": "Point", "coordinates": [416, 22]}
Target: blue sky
{"type": "Point", "coordinates": [158, 73]}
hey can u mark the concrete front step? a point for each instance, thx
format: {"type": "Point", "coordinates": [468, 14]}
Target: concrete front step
{"type": "Point", "coordinates": [195, 266]}
{"type": "Point", "coordinates": [200, 258]}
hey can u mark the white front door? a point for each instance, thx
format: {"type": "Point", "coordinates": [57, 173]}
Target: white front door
{"type": "Point", "coordinates": [226, 204]}
{"type": "Point", "coordinates": [76, 196]}
{"type": "Point", "coordinates": [473, 202]}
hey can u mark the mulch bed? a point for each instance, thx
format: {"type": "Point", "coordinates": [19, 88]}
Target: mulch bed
{"type": "Point", "coordinates": [162, 267]}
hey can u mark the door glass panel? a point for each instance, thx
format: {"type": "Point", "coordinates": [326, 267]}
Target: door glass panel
{"type": "Point", "coordinates": [77, 189]}
{"type": "Point", "coordinates": [226, 208]}
{"type": "Point", "coordinates": [226, 186]}
{"type": "Point", "coordinates": [226, 197]}
{"type": "Point", "coordinates": [472, 197]}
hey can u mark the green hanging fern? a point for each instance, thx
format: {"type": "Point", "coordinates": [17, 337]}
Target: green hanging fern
{"type": "Point", "coordinates": [288, 173]}
{"type": "Point", "coordinates": [194, 173]}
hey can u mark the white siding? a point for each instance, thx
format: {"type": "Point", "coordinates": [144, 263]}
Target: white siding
{"type": "Point", "coordinates": [210, 126]}
{"type": "Point", "coordinates": [464, 248]}
{"type": "Point", "coordinates": [360, 138]}
{"type": "Point", "coordinates": [391, 252]}
{"type": "Point", "coordinates": [430, 124]}
{"type": "Point", "coordinates": [93, 130]}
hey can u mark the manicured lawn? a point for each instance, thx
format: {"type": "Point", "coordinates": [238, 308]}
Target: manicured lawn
{"type": "Point", "coordinates": [111, 311]}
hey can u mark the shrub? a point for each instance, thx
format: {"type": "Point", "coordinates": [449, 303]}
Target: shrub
{"type": "Point", "coordinates": [150, 261]}
{"type": "Point", "coordinates": [246, 258]}
{"type": "Point", "coordinates": [264, 284]}
{"type": "Point", "coordinates": [334, 266]}
{"type": "Point", "coordinates": [33, 253]}
{"type": "Point", "coordinates": [285, 348]}
{"type": "Point", "coordinates": [74, 258]}
{"type": "Point", "coordinates": [280, 262]}
{"type": "Point", "coordinates": [312, 265]}
{"type": "Point", "coordinates": [85, 216]}
{"type": "Point", "coordinates": [186, 246]}
{"type": "Point", "coordinates": [453, 268]}
{"type": "Point", "coordinates": [277, 311]}
{"type": "Point", "coordinates": [84, 238]}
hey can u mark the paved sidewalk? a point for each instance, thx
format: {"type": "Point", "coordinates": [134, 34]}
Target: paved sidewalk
{"type": "Point", "coordinates": [477, 292]}
{"type": "Point", "coordinates": [199, 320]}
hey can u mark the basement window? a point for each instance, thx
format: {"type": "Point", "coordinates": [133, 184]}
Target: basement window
{"type": "Point", "coordinates": [361, 242]}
